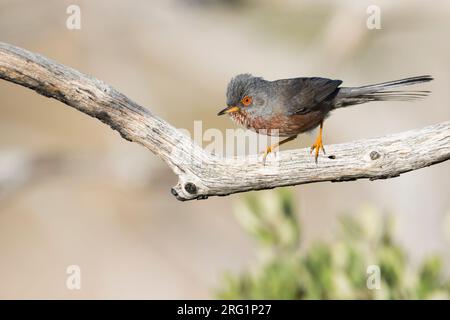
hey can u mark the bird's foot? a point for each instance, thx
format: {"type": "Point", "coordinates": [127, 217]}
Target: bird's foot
{"type": "Point", "coordinates": [316, 147]}
{"type": "Point", "coordinates": [266, 153]}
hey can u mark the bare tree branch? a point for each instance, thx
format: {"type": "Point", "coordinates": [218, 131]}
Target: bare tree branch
{"type": "Point", "coordinates": [201, 174]}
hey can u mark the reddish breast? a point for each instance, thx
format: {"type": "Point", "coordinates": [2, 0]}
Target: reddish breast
{"type": "Point", "coordinates": [279, 124]}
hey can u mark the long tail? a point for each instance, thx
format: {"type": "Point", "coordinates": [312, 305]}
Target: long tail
{"type": "Point", "coordinates": [382, 92]}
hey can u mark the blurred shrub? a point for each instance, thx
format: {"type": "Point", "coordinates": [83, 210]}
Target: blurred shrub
{"type": "Point", "coordinates": [327, 271]}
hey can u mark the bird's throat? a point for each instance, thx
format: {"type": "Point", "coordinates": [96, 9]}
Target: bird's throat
{"type": "Point", "coordinates": [240, 117]}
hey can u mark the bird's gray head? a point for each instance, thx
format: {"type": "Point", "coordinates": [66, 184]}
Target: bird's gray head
{"type": "Point", "coordinates": [245, 92]}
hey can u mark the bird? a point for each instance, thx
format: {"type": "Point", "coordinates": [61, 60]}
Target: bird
{"type": "Point", "coordinates": [289, 107]}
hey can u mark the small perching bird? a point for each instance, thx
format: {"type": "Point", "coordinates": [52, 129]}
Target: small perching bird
{"type": "Point", "coordinates": [288, 107]}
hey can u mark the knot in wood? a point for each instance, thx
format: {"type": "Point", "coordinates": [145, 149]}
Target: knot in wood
{"type": "Point", "coordinates": [374, 155]}
{"type": "Point", "coordinates": [190, 188]}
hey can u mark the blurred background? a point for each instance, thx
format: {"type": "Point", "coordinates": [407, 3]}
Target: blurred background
{"type": "Point", "coordinates": [72, 192]}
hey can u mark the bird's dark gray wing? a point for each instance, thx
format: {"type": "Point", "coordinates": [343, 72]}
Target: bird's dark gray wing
{"type": "Point", "coordinates": [304, 95]}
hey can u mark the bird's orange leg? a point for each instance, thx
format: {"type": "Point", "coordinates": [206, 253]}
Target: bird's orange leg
{"type": "Point", "coordinates": [270, 148]}
{"type": "Point", "coordinates": [318, 145]}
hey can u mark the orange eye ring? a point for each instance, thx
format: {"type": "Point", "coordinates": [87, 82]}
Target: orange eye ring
{"type": "Point", "coordinates": [246, 101]}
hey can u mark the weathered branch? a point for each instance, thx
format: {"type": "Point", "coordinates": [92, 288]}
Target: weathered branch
{"type": "Point", "coordinates": [201, 174]}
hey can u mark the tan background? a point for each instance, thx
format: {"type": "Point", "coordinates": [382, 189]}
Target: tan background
{"type": "Point", "coordinates": [73, 192]}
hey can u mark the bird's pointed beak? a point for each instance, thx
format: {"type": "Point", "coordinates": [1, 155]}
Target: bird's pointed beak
{"type": "Point", "coordinates": [229, 109]}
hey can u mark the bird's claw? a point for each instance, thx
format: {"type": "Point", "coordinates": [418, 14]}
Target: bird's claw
{"type": "Point", "coordinates": [266, 153]}
{"type": "Point", "coordinates": [317, 146]}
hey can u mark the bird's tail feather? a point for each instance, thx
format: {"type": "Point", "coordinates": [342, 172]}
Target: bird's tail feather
{"type": "Point", "coordinates": [382, 92]}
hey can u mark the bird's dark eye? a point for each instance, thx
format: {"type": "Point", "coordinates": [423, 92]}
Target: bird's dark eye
{"type": "Point", "coordinates": [246, 101]}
